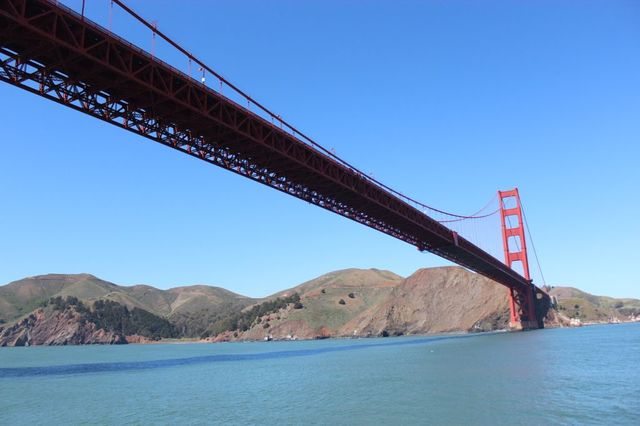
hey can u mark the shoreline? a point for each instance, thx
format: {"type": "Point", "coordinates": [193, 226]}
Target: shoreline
{"type": "Point", "coordinates": [205, 341]}
{"type": "Point", "coordinates": [184, 341]}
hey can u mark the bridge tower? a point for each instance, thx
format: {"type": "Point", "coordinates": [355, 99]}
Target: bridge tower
{"type": "Point", "coordinates": [521, 303]}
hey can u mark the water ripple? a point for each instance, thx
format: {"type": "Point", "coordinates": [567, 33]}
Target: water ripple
{"type": "Point", "coordinates": [105, 367]}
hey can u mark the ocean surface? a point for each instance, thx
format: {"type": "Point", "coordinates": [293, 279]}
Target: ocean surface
{"type": "Point", "coordinates": [587, 375]}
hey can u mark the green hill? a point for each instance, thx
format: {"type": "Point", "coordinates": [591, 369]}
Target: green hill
{"type": "Point", "coordinates": [191, 308]}
{"type": "Point", "coordinates": [587, 307]}
{"type": "Point", "coordinates": [329, 302]}
{"type": "Point", "coordinates": [21, 297]}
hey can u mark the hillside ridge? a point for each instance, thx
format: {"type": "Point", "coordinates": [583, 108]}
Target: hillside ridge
{"type": "Point", "coordinates": [345, 303]}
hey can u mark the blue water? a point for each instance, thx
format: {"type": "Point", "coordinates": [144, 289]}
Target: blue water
{"type": "Point", "coordinates": [589, 375]}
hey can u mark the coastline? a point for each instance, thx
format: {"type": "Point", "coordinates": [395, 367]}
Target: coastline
{"type": "Point", "coordinates": [458, 333]}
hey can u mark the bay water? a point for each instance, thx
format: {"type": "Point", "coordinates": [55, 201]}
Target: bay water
{"type": "Point", "coordinates": [588, 375]}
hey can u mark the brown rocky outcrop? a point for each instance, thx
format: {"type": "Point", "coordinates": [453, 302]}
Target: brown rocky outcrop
{"type": "Point", "coordinates": [51, 327]}
{"type": "Point", "coordinates": [226, 336]}
{"type": "Point", "coordinates": [436, 300]}
{"type": "Point", "coordinates": [136, 338]}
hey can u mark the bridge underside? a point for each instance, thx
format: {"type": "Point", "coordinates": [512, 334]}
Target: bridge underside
{"type": "Point", "coordinates": [53, 52]}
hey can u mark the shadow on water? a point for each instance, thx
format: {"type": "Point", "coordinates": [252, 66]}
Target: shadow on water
{"type": "Point", "coordinates": [59, 370]}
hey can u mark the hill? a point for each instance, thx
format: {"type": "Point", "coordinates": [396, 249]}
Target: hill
{"type": "Point", "coordinates": [322, 313]}
{"type": "Point", "coordinates": [346, 303]}
{"type": "Point", "coordinates": [67, 320]}
{"type": "Point", "coordinates": [21, 297]}
{"type": "Point", "coordinates": [438, 300]}
{"type": "Point", "coordinates": [190, 308]}
{"type": "Point", "coordinates": [574, 303]}
{"type": "Point", "coordinates": [373, 302]}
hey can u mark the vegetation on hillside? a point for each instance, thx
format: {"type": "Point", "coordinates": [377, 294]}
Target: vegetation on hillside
{"type": "Point", "coordinates": [587, 307]}
{"type": "Point", "coordinates": [330, 302]}
{"type": "Point", "coordinates": [198, 323]}
{"type": "Point", "coordinates": [113, 316]}
{"type": "Point", "coordinates": [191, 309]}
{"type": "Point", "coordinates": [242, 321]}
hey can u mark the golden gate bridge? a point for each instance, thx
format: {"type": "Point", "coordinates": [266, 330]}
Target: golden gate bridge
{"type": "Point", "coordinates": [51, 50]}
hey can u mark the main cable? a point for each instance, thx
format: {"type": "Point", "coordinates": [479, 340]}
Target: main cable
{"type": "Point", "coordinates": [274, 116]}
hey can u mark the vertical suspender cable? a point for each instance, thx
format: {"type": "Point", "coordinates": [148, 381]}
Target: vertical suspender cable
{"type": "Point", "coordinates": [110, 16]}
{"type": "Point", "coordinates": [535, 253]}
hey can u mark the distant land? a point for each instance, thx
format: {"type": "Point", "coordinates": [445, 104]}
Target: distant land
{"type": "Point", "coordinates": [63, 309]}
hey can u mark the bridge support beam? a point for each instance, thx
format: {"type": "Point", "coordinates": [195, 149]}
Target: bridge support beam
{"type": "Point", "coordinates": [523, 302]}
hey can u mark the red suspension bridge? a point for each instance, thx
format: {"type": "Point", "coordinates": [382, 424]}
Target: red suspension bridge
{"type": "Point", "coordinates": [57, 53]}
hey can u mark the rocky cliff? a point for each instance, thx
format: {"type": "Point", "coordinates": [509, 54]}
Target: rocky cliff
{"type": "Point", "coordinates": [47, 326]}
{"type": "Point", "coordinates": [437, 300]}
{"type": "Point", "coordinates": [69, 321]}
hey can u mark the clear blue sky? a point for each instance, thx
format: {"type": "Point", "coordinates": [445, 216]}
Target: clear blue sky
{"type": "Point", "coordinates": [448, 101]}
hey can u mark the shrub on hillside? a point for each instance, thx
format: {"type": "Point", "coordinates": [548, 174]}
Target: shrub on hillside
{"type": "Point", "coordinates": [242, 321]}
{"type": "Point", "coordinates": [112, 316]}
{"type": "Point", "coordinates": [342, 302]}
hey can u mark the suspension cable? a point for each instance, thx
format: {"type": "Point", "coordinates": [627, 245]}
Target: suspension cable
{"type": "Point", "coordinates": [477, 214]}
{"type": "Point", "coordinates": [273, 116]}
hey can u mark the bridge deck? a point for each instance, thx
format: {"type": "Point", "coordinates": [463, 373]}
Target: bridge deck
{"type": "Point", "coordinates": [52, 51]}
